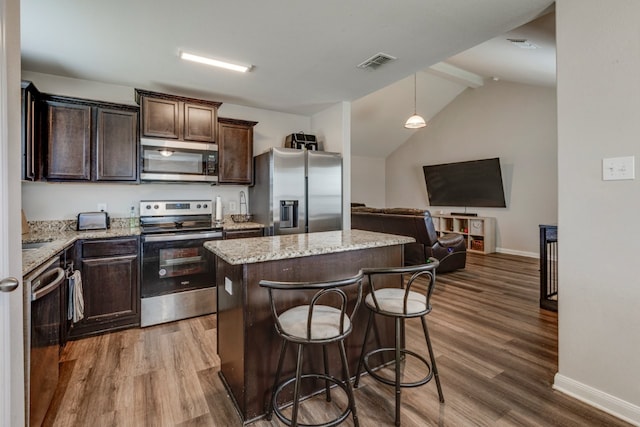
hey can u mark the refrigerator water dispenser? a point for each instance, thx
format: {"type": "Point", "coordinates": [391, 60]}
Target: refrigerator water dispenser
{"type": "Point", "coordinates": [288, 213]}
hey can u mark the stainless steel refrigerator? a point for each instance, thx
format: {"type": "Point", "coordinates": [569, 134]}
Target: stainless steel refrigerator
{"type": "Point", "coordinates": [297, 191]}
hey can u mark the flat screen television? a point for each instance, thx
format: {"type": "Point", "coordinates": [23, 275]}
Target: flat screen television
{"type": "Point", "coordinates": [475, 183]}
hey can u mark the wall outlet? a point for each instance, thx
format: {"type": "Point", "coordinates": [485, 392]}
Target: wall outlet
{"type": "Point", "coordinates": [232, 206]}
{"type": "Point", "coordinates": [102, 207]}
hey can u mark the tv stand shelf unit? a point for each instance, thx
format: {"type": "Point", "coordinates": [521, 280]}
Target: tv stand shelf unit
{"type": "Point", "coordinates": [479, 232]}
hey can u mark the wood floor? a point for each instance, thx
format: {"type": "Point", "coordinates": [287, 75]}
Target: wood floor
{"type": "Point", "coordinates": [496, 353]}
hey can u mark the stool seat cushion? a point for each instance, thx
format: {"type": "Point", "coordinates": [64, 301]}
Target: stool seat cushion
{"type": "Point", "coordinates": [391, 300]}
{"type": "Point", "coordinates": [325, 323]}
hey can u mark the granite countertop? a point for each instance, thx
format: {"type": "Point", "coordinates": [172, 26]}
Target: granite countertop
{"type": "Point", "coordinates": [56, 241]}
{"type": "Point", "coordinates": [260, 249]}
{"type": "Point", "coordinates": [230, 225]}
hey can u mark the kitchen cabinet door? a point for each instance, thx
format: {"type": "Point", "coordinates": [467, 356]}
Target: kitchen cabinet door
{"type": "Point", "coordinates": [68, 149]}
{"type": "Point", "coordinates": [242, 234]}
{"type": "Point", "coordinates": [168, 116]}
{"type": "Point", "coordinates": [110, 285]}
{"type": "Point", "coordinates": [31, 112]}
{"type": "Point", "coordinates": [116, 145]}
{"type": "Point", "coordinates": [90, 140]}
{"type": "Point", "coordinates": [235, 151]}
{"type": "Point", "coordinates": [199, 123]}
{"type": "Point", "coordinates": [160, 117]}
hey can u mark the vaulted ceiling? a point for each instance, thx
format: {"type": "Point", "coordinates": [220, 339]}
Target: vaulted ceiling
{"type": "Point", "coordinates": [304, 54]}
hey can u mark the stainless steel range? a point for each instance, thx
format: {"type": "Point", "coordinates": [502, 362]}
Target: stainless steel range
{"type": "Point", "coordinates": [178, 273]}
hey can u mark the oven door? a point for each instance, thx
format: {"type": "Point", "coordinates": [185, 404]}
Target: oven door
{"type": "Point", "coordinates": [178, 276]}
{"type": "Point", "coordinates": [176, 262]}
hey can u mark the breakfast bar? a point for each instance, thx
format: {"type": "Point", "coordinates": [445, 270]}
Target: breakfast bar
{"type": "Point", "coordinates": [247, 342]}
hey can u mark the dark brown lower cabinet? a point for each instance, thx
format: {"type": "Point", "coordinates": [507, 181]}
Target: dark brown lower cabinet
{"type": "Point", "coordinates": [240, 234]}
{"type": "Point", "coordinates": [110, 283]}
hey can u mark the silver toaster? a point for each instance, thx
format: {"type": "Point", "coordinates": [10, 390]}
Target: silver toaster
{"type": "Point", "coordinates": [93, 221]}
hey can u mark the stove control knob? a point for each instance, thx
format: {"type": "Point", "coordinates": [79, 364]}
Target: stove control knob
{"type": "Point", "coordinates": [198, 206]}
{"type": "Point", "coordinates": [204, 206]}
{"type": "Point", "coordinates": [147, 207]}
{"type": "Point", "coordinates": [156, 207]}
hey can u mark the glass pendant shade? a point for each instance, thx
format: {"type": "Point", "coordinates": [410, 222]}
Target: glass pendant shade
{"type": "Point", "coordinates": [415, 121]}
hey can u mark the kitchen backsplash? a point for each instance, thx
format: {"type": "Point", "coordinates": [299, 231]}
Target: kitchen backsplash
{"type": "Point", "coordinates": [55, 226]}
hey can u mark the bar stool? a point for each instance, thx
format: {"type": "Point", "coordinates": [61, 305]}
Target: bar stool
{"type": "Point", "coordinates": [324, 317]}
{"type": "Point", "coordinates": [400, 303]}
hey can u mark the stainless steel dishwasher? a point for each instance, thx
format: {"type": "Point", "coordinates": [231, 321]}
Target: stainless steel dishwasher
{"type": "Point", "coordinates": [44, 317]}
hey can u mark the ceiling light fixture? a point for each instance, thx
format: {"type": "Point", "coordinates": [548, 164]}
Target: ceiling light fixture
{"type": "Point", "coordinates": [415, 121]}
{"type": "Point", "coordinates": [214, 62]}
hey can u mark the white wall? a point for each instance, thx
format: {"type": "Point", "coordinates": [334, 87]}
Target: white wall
{"type": "Point", "coordinates": [44, 201]}
{"type": "Point", "coordinates": [512, 121]}
{"type": "Point", "coordinates": [332, 127]}
{"type": "Point", "coordinates": [368, 181]}
{"type": "Point", "coordinates": [598, 47]}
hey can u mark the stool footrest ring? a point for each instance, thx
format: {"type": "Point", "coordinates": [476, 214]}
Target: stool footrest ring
{"type": "Point", "coordinates": [330, 423]}
{"type": "Point", "coordinates": [392, 381]}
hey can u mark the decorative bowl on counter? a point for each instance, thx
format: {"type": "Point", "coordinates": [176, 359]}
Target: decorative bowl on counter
{"type": "Point", "coordinates": [241, 217]}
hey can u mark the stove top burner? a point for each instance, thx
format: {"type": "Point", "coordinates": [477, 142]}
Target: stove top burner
{"type": "Point", "coordinates": [164, 216]}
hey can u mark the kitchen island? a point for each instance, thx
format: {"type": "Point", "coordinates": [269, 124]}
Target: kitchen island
{"type": "Point", "coordinates": [247, 344]}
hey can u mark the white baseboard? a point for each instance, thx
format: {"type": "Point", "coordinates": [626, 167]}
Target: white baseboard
{"type": "Point", "coordinates": [598, 399]}
{"type": "Point", "coordinates": [520, 253]}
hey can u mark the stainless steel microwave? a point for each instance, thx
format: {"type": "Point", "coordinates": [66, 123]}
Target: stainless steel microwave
{"type": "Point", "coordinates": [178, 161]}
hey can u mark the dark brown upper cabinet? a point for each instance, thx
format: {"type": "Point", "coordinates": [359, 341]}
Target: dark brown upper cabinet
{"type": "Point", "coordinates": [116, 144]}
{"type": "Point", "coordinates": [235, 151]}
{"type": "Point", "coordinates": [177, 117]}
{"type": "Point", "coordinates": [90, 141]}
{"type": "Point", "coordinates": [31, 125]}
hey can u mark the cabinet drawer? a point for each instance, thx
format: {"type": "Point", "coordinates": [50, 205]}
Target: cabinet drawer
{"type": "Point", "coordinates": [240, 234]}
{"type": "Point", "coordinates": [107, 248]}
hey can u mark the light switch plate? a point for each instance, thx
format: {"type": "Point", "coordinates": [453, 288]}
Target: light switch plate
{"type": "Point", "coordinates": [228, 285]}
{"type": "Point", "coordinates": [618, 168]}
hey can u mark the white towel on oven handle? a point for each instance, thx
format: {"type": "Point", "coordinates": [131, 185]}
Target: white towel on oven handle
{"type": "Point", "coordinates": [76, 299]}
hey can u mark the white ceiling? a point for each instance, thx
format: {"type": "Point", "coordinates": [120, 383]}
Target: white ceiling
{"type": "Point", "coordinates": [377, 119]}
{"type": "Point", "coordinates": [304, 54]}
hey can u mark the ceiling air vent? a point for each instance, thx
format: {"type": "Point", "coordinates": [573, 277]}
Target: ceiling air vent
{"type": "Point", "coordinates": [376, 61]}
{"type": "Point", "coordinates": [523, 43]}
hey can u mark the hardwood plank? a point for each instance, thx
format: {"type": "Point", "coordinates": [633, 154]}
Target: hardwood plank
{"type": "Point", "coordinates": [496, 352]}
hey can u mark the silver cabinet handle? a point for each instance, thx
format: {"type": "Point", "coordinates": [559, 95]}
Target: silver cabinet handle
{"type": "Point", "coordinates": [8, 284]}
{"type": "Point", "coordinates": [36, 295]}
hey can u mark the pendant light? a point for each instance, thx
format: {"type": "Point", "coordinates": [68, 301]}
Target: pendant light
{"type": "Point", "coordinates": [415, 121]}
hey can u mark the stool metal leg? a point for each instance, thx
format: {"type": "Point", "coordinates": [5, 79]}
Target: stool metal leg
{"type": "Point", "coordinates": [327, 383]}
{"type": "Point", "coordinates": [433, 359]}
{"type": "Point", "coordinates": [362, 352]}
{"type": "Point", "coordinates": [296, 388]}
{"type": "Point", "coordinates": [397, 365]}
{"type": "Point", "coordinates": [272, 403]}
{"type": "Point", "coordinates": [347, 380]}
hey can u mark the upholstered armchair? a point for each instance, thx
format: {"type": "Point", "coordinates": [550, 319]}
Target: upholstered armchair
{"type": "Point", "coordinates": [449, 249]}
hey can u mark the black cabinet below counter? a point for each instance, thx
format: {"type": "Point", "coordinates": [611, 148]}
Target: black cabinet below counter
{"type": "Point", "coordinates": [243, 233]}
{"type": "Point", "coordinates": [110, 285]}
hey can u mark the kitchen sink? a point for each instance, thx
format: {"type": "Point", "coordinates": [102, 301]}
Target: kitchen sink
{"type": "Point", "coordinates": [33, 245]}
